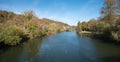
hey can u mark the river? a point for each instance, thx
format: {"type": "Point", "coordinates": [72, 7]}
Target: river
{"type": "Point", "coordinates": [62, 47]}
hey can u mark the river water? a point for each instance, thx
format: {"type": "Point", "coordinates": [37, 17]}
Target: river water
{"type": "Point", "coordinates": [62, 47]}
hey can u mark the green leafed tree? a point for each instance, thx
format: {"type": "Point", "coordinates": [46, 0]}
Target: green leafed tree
{"type": "Point", "coordinates": [79, 28]}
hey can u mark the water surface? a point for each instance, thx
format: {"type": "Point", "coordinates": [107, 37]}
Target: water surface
{"type": "Point", "coordinates": [62, 47]}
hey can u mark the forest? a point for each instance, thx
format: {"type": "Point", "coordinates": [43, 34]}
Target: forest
{"type": "Point", "coordinates": [17, 28]}
{"type": "Point", "coordinates": [107, 26]}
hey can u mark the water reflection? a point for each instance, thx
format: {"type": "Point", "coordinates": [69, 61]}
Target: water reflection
{"type": "Point", "coordinates": [107, 52]}
{"type": "Point", "coordinates": [31, 49]}
{"type": "Point", "coordinates": [21, 53]}
{"type": "Point", "coordinates": [67, 47]}
{"type": "Point", "coordinates": [63, 47]}
{"type": "Point", "coordinates": [11, 54]}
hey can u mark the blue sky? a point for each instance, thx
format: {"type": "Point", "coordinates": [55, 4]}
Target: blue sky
{"type": "Point", "coordinates": [67, 11]}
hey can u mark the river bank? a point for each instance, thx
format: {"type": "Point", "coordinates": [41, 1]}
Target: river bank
{"type": "Point", "coordinates": [84, 32]}
{"type": "Point", "coordinates": [100, 36]}
{"type": "Point", "coordinates": [62, 47]}
{"type": "Point", "coordinates": [16, 28]}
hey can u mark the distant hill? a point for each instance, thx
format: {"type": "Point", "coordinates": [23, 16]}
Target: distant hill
{"type": "Point", "coordinates": [6, 16]}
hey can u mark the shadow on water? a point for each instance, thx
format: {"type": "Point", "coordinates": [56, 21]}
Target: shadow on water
{"type": "Point", "coordinates": [111, 59]}
{"type": "Point", "coordinates": [21, 53]}
{"type": "Point", "coordinates": [62, 47]}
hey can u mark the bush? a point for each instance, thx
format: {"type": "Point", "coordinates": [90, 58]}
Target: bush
{"type": "Point", "coordinates": [101, 26]}
{"type": "Point", "coordinates": [12, 40]}
{"type": "Point", "coordinates": [31, 29]}
{"type": "Point", "coordinates": [28, 14]}
{"type": "Point", "coordinates": [116, 36]}
{"type": "Point", "coordinates": [11, 35]}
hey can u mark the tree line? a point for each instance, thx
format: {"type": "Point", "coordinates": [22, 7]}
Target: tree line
{"type": "Point", "coordinates": [16, 28]}
{"type": "Point", "coordinates": [107, 26]}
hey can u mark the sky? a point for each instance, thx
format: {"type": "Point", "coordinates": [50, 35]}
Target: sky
{"type": "Point", "coordinates": [67, 11]}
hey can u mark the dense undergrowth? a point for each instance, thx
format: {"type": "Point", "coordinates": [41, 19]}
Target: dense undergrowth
{"type": "Point", "coordinates": [14, 28]}
{"type": "Point", "coordinates": [107, 26]}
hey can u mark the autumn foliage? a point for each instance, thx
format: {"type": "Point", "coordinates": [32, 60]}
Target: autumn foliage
{"type": "Point", "coordinates": [107, 26]}
{"type": "Point", "coordinates": [15, 27]}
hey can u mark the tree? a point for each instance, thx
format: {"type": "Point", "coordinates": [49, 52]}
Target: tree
{"type": "Point", "coordinates": [118, 7]}
{"type": "Point", "coordinates": [116, 32]}
{"type": "Point", "coordinates": [79, 28]}
{"type": "Point", "coordinates": [84, 26]}
{"type": "Point", "coordinates": [28, 14]}
{"type": "Point", "coordinates": [31, 29]}
{"type": "Point", "coordinates": [5, 16]}
{"type": "Point", "coordinates": [108, 10]}
{"type": "Point", "coordinates": [101, 26]}
{"type": "Point", "coordinates": [91, 24]}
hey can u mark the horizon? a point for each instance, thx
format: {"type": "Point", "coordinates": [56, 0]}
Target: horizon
{"type": "Point", "coordinates": [65, 11]}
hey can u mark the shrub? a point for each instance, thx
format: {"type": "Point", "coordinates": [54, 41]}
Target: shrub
{"type": "Point", "coordinates": [12, 40]}
{"type": "Point", "coordinates": [101, 26]}
{"type": "Point", "coordinates": [28, 14]}
{"type": "Point", "coordinates": [11, 35]}
{"type": "Point", "coordinates": [116, 36]}
{"type": "Point", "coordinates": [31, 29]}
